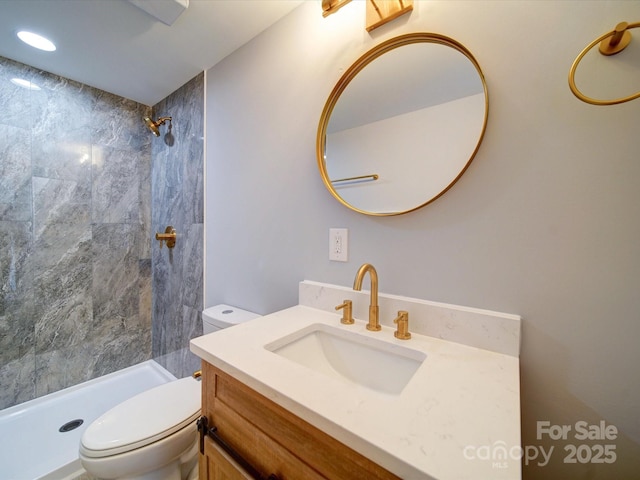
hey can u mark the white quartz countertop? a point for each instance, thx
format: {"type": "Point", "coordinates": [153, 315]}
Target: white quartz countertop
{"type": "Point", "coordinates": [458, 418]}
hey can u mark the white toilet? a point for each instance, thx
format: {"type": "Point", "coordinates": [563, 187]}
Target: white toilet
{"type": "Point", "coordinates": [153, 435]}
{"type": "Point", "coordinates": [223, 316]}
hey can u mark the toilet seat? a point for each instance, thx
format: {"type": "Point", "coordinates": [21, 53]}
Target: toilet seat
{"type": "Point", "coordinates": [144, 419]}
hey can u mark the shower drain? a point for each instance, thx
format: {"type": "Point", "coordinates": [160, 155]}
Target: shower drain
{"type": "Point", "coordinates": [72, 425]}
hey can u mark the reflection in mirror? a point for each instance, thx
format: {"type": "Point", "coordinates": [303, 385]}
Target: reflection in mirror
{"type": "Point", "coordinates": [402, 124]}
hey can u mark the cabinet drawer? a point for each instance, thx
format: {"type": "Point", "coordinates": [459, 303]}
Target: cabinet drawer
{"type": "Point", "coordinates": [274, 440]}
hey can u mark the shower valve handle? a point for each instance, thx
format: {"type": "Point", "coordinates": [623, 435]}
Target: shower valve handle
{"type": "Point", "coordinates": [169, 237]}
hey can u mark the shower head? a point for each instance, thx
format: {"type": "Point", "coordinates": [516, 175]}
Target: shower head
{"type": "Point", "coordinates": [154, 125]}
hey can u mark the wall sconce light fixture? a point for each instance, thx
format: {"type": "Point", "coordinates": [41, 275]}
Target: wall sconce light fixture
{"type": "Point", "coordinates": [332, 6]}
{"type": "Point", "coordinates": [380, 12]}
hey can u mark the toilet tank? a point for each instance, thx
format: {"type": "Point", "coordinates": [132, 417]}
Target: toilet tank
{"type": "Point", "coordinates": [223, 316]}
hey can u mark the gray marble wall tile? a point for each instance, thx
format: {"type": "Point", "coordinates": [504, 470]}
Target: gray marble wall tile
{"type": "Point", "coordinates": [177, 199]}
{"type": "Point", "coordinates": [191, 323]}
{"type": "Point", "coordinates": [63, 154]}
{"type": "Point", "coordinates": [58, 242]}
{"type": "Point", "coordinates": [61, 134]}
{"type": "Point", "coordinates": [145, 296]}
{"type": "Point", "coordinates": [166, 198]}
{"type": "Point", "coordinates": [192, 266]}
{"type": "Point", "coordinates": [18, 379]}
{"type": "Point", "coordinates": [85, 288]}
{"type": "Point", "coordinates": [167, 295]}
{"type": "Point", "coordinates": [59, 201]}
{"type": "Point", "coordinates": [17, 321]}
{"type": "Point", "coordinates": [15, 102]}
{"type": "Point", "coordinates": [15, 174]}
{"type": "Point", "coordinates": [179, 360]}
{"type": "Point", "coordinates": [121, 351]}
{"type": "Point", "coordinates": [115, 272]}
{"type": "Point", "coordinates": [60, 105]}
{"type": "Point", "coordinates": [194, 185]}
{"type": "Point", "coordinates": [116, 186]}
{"type": "Point", "coordinates": [113, 334]}
{"type": "Point", "coordinates": [97, 356]}
{"type": "Point", "coordinates": [194, 167]}
{"type": "Point", "coordinates": [75, 248]}
{"type": "Point", "coordinates": [62, 290]}
{"type": "Point", "coordinates": [62, 367]}
{"type": "Point", "coordinates": [144, 199]}
{"type": "Point", "coordinates": [118, 122]}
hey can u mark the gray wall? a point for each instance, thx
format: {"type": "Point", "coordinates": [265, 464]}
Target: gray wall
{"type": "Point", "coordinates": [545, 223]}
{"type": "Point", "coordinates": [177, 199]}
{"type": "Point", "coordinates": [75, 299]}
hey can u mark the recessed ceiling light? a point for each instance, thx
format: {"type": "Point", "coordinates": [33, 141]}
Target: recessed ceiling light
{"type": "Point", "coordinates": [21, 82]}
{"type": "Point", "coordinates": [36, 41]}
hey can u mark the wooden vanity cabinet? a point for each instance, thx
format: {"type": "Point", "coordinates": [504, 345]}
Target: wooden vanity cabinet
{"type": "Point", "coordinates": [270, 438]}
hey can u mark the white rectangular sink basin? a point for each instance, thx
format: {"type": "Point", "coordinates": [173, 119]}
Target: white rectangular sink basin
{"type": "Point", "coordinates": [349, 356]}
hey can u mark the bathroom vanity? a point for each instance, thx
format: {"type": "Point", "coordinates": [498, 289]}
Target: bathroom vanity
{"type": "Point", "coordinates": [297, 394]}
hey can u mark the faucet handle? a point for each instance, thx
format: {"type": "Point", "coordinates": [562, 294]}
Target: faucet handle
{"type": "Point", "coordinates": [347, 308]}
{"type": "Point", "coordinates": [402, 320]}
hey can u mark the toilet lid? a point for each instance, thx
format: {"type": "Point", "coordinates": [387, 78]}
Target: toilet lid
{"type": "Point", "coordinates": [146, 418]}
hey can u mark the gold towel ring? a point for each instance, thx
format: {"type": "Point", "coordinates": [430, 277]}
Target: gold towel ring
{"type": "Point", "coordinates": [620, 39]}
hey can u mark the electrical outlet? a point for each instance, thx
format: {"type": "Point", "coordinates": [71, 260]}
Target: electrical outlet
{"type": "Point", "coordinates": [338, 244]}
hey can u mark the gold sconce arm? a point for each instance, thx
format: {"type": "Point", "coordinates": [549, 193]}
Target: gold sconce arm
{"type": "Point", "coordinates": [332, 6]}
{"type": "Point", "coordinates": [169, 237]}
{"type": "Point", "coordinates": [610, 43]}
{"type": "Point", "coordinates": [380, 12]}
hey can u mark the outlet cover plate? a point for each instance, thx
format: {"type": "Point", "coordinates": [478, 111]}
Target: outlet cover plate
{"type": "Point", "coordinates": [338, 244]}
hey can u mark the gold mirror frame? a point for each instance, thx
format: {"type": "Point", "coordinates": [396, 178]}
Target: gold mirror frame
{"type": "Point", "coordinates": [359, 65]}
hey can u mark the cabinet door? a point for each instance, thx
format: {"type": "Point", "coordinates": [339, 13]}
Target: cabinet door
{"type": "Point", "coordinates": [215, 464]}
{"type": "Point", "coordinates": [273, 440]}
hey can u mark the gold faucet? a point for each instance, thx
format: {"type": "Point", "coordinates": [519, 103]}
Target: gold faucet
{"type": "Point", "coordinates": [373, 324]}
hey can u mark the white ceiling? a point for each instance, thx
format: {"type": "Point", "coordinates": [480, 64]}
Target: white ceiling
{"type": "Point", "coordinates": [115, 46]}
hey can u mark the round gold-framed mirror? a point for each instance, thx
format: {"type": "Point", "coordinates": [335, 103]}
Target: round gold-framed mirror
{"type": "Point", "coordinates": [402, 124]}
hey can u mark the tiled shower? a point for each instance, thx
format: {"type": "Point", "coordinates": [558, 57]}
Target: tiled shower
{"type": "Point", "coordinates": [83, 187]}
{"type": "Point", "coordinates": [178, 200]}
